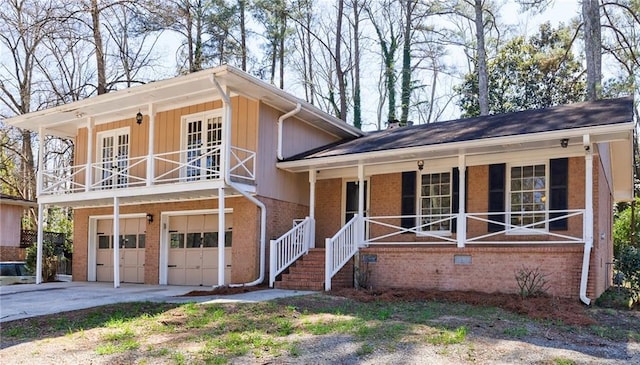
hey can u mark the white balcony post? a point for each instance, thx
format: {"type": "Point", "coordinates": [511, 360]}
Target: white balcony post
{"type": "Point", "coordinates": [116, 242]}
{"type": "Point", "coordinates": [461, 231]}
{"type": "Point", "coordinates": [150, 152]}
{"type": "Point", "coordinates": [41, 208]}
{"type": "Point", "coordinates": [88, 172]}
{"type": "Point", "coordinates": [221, 236]}
{"type": "Point", "coordinates": [40, 176]}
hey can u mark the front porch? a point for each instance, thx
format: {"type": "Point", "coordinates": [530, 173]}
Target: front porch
{"type": "Point", "coordinates": [414, 256]}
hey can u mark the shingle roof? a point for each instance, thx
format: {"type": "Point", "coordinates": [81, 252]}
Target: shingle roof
{"type": "Point", "coordinates": [565, 117]}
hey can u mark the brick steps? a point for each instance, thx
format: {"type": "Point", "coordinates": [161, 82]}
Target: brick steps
{"type": "Point", "coordinates": [308, 273]}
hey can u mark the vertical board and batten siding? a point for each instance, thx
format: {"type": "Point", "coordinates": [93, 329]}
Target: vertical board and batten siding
{"type": "Point", "coordinates": [298, 137]}
{"type": "Point", "coordinates": [168, 133]}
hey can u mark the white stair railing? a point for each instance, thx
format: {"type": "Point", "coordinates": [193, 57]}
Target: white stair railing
{"type": "Point", "coordinates": [285, 250]}
{"type": "Point", "coordinates": [341, 247]}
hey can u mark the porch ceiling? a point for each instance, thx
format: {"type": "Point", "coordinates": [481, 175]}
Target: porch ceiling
{"type": "Point", "coordinates": [169, 94]}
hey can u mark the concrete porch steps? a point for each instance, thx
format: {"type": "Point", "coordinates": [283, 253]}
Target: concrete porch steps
{"type": "Point", "coordinates": [308, 273]}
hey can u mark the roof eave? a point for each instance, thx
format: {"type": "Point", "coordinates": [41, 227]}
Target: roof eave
{"type": "Point", "coordinates": [456, 147]}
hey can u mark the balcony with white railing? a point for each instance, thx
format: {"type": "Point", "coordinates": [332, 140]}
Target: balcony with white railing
{"type": "Point", "coordinates": [175, 167]}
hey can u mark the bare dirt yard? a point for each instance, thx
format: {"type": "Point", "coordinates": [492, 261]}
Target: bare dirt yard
{"type": "Point", "coordinates": [343, 327]}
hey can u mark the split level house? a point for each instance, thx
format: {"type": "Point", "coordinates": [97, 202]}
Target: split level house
{"type": "Point", "coordinates": [217, 178]}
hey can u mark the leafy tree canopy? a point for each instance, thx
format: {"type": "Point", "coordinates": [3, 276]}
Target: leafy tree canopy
{"type": "Point", "coordinates": [529, 74]}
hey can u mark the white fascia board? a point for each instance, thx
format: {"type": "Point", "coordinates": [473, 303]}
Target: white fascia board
{"type": "Point", "coordinates": [621, 131]}
{"type": "Point", "coordinates": [41, 117]}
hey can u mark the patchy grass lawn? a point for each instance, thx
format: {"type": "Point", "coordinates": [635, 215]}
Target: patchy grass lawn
{"type": "Point", "coordinates": [317, 329]}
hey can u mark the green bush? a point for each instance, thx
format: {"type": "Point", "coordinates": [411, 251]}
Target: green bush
{"type": "Point", "coordinates": [628, 263]}
{"type": "Point", "coordinates": [50, 255]}
{"type": "Point", "coordinates": [622, 226]}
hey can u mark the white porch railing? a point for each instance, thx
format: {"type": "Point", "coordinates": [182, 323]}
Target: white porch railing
{"type": "Point", "coordinates": [340, 248]}
{"type": "Point", "coordinates": [385, 230]}
{"type": "Point", "coordinates": [285, 250]}
{"type": "Point", "coordinates": [119, 173]}
{"type": "Point", "coordinates": [391, 226]}
{"type": "Point", "coordinates": [169, 167]}
{"type": "Point", "coordinates": [65, 180]}
{"type": "Point", "coordinates": [530, 229]}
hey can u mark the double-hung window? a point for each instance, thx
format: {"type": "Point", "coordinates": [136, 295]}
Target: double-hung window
{"type": "Point", "coordinates": [435, 202]}
{"type": "Point", "coordinates": [528, 197]}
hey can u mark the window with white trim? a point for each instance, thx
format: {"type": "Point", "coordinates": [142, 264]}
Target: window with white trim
{"type": "Point", "coordinates": [113, 157]}
{"type": "Point", "coordinates": [435, 202]}
{"type": "Point", "coordinates": [528, 196]}
{"type": "Point", "coordinates": [202, 140]}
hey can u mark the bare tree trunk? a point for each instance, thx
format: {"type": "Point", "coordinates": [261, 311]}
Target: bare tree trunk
{"type": "Point", "coordinates": [283, 30]}
{"type": "Point", "coordinates": [97, 40]}
{"type": "Point", "coordinates": [406, 64]}
{"type": "Point", "coordinates": [243, 34]}
{"type": "Point", "coordinates": [310, 80]}
{"type": "Point", "coordinates": [483, 79]}
{"type": "Point", "coordinates": [357, 108]}
{"type": "Point", "coordinates": [338, 59]}
{"type": "Point", "coordinates": [593, 47]}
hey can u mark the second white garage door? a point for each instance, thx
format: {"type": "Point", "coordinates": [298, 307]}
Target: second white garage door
{"type": "Point", "coordinates": [193, 249]}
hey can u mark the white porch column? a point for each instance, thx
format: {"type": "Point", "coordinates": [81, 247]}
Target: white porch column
{"type": "Point", "coordinates": [221, 236]}
{"type": "Point", "coordinates": [150, 152]}
{"type": "Point", "coordinates": [361, 198]}
{"type": "Point", "coordinates": [312, 193]}
{"type": "Point", "coordinates": [588, 217]}
{"type": "Point", "coordinates": [312, 206]}
{"type": "Point", "coordinates": [88, 172]}
{"type": "Point", "coordinates": [461, 231]}
{"type": "Point", "coordinates": [41, 208]}
{"type": "Point", "coordinates": [116, 242]}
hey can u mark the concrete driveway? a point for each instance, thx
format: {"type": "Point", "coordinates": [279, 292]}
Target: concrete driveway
{"type": "Point", "coordinates": [31, 300]}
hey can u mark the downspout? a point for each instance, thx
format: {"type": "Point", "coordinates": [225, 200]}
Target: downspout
{"type": "Point", "coordinates": [227, 180]}
{"type": "Point", "coordinates": [280, 123]}
{"type": "Point", "coordinates": [588, 219]}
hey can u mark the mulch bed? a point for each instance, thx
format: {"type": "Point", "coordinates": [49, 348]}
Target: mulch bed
{"type": "Point", "coordinates": [225, 290]}
{"type": "Point", "coordinates": [569, 311]}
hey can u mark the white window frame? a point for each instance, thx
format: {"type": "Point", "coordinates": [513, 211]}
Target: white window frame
{"type": "Point", "coordinates": [185, 120]}
{"type": "Point", "coordinates": [530, 231]}
{"type": "Point", "coordinates": [99, 147]}
{"type": "Point", "coordinates": [418, 221]}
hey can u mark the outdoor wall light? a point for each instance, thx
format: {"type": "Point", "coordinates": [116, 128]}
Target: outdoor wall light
{"type": "Point", "coordinates": [139, 118]}
{"type": "Point", "coordinates": [564, 142]}
{"type": "Point", "coordinates": [149, 217]}
{"type": "Point", "coordinates": [420, 165]}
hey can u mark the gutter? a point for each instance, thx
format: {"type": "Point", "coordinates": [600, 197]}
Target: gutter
{"type": "Point", "coordinates": [280, 123]}
{"type": "Point", "coordinates": [227, 180]}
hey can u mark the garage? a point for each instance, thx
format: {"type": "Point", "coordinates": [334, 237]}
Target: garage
{"type": "Point", "coordinates": [193, 249]}
{"type": "Point", "coordinates": [132, 245]}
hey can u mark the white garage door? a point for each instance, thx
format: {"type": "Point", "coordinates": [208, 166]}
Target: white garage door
{"type": "Point", "coordinates": [132, 243]}
{"type": "Point", "coordinates": [193, 250]}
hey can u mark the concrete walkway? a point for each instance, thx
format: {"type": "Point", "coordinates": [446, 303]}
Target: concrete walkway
{"type": "Point", "coordinates": [31, 300]}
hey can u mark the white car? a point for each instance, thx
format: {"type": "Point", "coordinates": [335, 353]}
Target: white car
{"type": "Point", "coordinates": [15, 272]}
